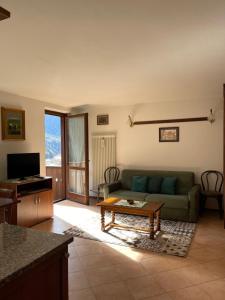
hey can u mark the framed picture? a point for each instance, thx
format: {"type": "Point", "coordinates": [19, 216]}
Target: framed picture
{"type": "Point", "coordinates": [169, 134]}
{"type": "Point", "coordinates": [102, 119]}
{"type": "Point", "coordinates": [13, 124]}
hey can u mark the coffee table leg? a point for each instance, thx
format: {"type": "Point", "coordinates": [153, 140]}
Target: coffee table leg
{"type": "Point", "coordinates": [151, 220]}
{"type": "Point", "coordinates": [158, 221]}
{"type": "Point", "coordinates": [113, 217]}
{"type": "Point", "coordinates": [103, 219]}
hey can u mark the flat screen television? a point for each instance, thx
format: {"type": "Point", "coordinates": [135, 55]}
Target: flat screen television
{"type": "Point", "coordinates": [22, 165]}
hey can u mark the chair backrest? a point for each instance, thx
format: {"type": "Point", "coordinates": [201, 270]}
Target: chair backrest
{"type": "Point", "coordinates": [7, 197]}
{"type": "Point", "coordinates": [212, 180]}
{"type": "Point", "coordinates": [111, 175]}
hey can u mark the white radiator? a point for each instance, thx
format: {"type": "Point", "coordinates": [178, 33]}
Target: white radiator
{"type": "Point", "coordinates": [104, 155]}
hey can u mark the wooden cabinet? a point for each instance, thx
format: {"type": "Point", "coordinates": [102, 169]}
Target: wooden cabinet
{"type": "Point", "coordinates": [34, 209]}
{"type": "Point", "coordinates": [36, 200]}
{"type": "Point", "coordinates": [47, 279]}
{"type": "Point", "coordinates": [27, 211]}
{"type": "Point", "coordinates": [45, 205]}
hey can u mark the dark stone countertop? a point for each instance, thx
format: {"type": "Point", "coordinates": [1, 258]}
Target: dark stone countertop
{"type": "Point", "coordinates": [21, 248]}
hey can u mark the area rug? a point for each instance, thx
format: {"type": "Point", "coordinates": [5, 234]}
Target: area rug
{"type": "Point", "coordinates": [173, 239]}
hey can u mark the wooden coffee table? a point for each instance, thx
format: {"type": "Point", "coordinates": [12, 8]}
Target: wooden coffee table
{"type": "Point", "coordinates": [150, 210]}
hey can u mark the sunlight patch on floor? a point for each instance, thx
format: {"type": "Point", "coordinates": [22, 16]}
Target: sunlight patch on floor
{"type": "Point", "coordinates": [78, 215]}
{"type": "Point", "coordinates": [73, 214]}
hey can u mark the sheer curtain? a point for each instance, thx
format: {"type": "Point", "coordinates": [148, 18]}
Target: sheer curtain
{"type": "Point", "coordinates": [76, 154]}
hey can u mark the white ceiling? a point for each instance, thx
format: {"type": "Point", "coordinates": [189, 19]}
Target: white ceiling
{"type": "Point", "coordinates": [74, 52]}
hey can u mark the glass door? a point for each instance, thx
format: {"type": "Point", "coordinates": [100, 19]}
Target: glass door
{"type": "Point", "coordinates": [77, 158]}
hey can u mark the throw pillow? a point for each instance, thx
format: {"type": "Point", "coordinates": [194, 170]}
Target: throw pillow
{"type": "Point", "coordinates": [169, 185]}
{"type": "Point", "coordinates": [154, 184]}
{"type": "Point", "coordinates": [139, 183]}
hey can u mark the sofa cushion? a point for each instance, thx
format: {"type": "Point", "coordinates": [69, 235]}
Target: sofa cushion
{"type": "Point", "coordinates": [154, 184]}
{"type": "Point", "coordinates": [139, 183]}
{"type": "Point", "coordinates": [185, 180]}
{"type": "Point", "coordinates": [125, 194]}
{"type": "Point", "coordinates": [171, 201]}
{"type": "Point", "coordinates": [168, 185]}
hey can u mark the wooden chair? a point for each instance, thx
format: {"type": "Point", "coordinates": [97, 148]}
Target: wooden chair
{"type": "Point", "coordinates": [111, 174]}
{"type": "Point", "coordinates": [212, 188]}
{"type": "Point", "coordinates": [7, 203]}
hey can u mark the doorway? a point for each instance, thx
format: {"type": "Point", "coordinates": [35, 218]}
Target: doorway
{"type": "Point", "coordinates": [55, 152]}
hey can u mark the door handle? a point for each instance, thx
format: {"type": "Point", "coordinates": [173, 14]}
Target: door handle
{"type": "Point", "coordinates": [37, 200]}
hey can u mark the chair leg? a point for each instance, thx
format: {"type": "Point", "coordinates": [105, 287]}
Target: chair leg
{"type": "Point", "coordinates": [220, 206]}
{"type": "Point", "coordinates": [98, 193]}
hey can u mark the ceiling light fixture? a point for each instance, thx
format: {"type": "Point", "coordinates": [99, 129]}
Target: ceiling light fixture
{"type": "Point", "coordinates": [4, 14]}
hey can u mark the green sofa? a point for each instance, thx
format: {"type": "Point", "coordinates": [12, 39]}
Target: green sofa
{"type": "Point", "coordinates": [183, 206]}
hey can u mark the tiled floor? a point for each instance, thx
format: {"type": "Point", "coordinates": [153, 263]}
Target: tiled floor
{"type": "Point", "coordinates": [106, 271]}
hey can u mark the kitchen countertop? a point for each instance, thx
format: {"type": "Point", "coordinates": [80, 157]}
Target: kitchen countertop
{"type": "Point", "coordinates": [21, 248]}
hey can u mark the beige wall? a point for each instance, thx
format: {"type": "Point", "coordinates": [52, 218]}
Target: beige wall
{"type": "Point", "coordinates": [35, 138]}
{"type": "Point", "coordinates": [200, 145]}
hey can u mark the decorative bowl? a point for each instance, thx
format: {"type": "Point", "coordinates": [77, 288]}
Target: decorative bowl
{"type": "Point", "coordinates": [131, 202]}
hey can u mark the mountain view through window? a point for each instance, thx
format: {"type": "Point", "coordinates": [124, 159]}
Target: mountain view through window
{"type": "Point", "coordinates": [52, 140]}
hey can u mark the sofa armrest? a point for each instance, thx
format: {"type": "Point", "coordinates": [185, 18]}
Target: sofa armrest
{"type": "Point", "coordinates": [193, 196]}
{"type": "Point", "coordinates": [111, 187]}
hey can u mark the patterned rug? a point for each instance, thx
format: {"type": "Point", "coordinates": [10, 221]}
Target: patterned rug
{"type": "Point", "coordinates": [173, 239]}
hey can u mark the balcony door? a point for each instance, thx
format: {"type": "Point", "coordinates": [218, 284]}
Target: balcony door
{"type": "Point", "coordinates": [77, 158]}
{"type": "Point", "coordinates": [54, 152]}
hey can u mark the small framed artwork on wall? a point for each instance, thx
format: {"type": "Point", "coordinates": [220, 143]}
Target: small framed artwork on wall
{"type": "Point", "coordinates": [102, 119]}
{"type": "Point", "coordinates": [13, 124]}
{"type": "Point", "coordinates": [169, 134]}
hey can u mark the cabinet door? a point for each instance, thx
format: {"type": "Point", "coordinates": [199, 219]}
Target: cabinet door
{"type": "Point", "coordinates": [45, 205]}
{"type": "Point", "coordinates": [27, 211]}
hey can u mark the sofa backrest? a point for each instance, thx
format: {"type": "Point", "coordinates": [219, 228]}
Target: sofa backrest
{"type": "Point", "coordinates": [185, 180]}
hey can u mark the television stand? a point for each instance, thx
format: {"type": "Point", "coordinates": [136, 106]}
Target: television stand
{"type": "Point", "coordinates": [38, 176]}
{"type": "Point", "coordinates": [36, 199]}
{"type": "Point", "coordinates": [22, 178]}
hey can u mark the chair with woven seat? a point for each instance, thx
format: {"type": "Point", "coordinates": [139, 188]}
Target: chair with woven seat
{"type": "Point", "coordinates": [212, 182]}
